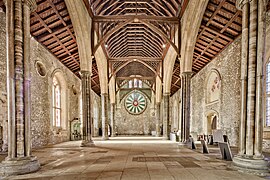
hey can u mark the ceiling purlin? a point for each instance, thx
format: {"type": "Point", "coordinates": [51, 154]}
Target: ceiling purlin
{"type": "Point", "coordinates": [127, 36]}
{"type": "Point", "coordinates": [48, 29]}
{"type": "Point", "coordinates": [151, 27]}
{"type": "Point", "coordinates": [51, 26]}
{"type": "Point", "coordinates": [216, 31]}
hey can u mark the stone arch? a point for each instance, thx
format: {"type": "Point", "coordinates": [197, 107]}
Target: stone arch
{"type": "Point", "coordinates": [213, 87]}
{"type": "Point", "coordinates": [211, 121]}
{"type": "Point", "coordinates": [64, 94]}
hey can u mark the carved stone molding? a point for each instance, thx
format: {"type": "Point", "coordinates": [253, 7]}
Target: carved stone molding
{"type": "Point", "coordinates": [31, 4]}
{"type": "Point", "coordinates": [241, 3]}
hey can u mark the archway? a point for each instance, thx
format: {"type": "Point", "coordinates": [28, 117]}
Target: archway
{"type": "Point", "coordinates": [212, 118]}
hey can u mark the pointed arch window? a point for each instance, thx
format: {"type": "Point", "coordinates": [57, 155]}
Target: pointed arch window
{"type": "Point", "coordinates": [267, 97]}
{"type": "Point", "coordinates": [56, 103]}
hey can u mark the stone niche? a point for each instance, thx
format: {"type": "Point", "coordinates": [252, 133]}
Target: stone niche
{"type": "Point", "coordinates": [129, 124]}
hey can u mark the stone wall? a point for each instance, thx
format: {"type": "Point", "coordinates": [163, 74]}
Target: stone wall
{"type": "Point", "coordinates": [174, 114]}
{"type": "Point", "coordinates": [41, 97]}
{"type": "Point", "coordinates": [43, 133]}
{"type": "Point", "coordinates": [128, 124]}
{"type": "Point", "coordinates": [3, 72]}
{"type": "Point", "coordinates": [227, 108]}
{"type": "Point", "coordinates": [266, 133]}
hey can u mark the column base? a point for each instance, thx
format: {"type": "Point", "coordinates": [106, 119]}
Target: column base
{"type": "Point", "coordinates": [165, 138]}
{"type": "Point", "coordinates": [105, 138]}
{"type": "Point", "coordinates": [87, 144]}
{"type": "Point", "coordinates": [19, 166]}
{"type": "Point", "coordinates": [182, 143]}
{"type": "Point", "coordinates": [258, 167]}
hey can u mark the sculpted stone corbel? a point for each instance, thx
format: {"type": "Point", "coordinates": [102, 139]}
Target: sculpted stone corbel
{"type": "Point", "coordinates": [241, 3]}
{"type": "Point", "coordinates": [31, 4]}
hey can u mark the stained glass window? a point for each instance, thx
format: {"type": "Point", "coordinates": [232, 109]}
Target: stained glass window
{"type": "Point", "coordinates": [130, 84]}
{"type": "Point", "coordinates": [267, 94]}
{"type": "Point", "coordinates": [56, 103]}
{"type": "Point", "coordinates": [135, 83]}
{"type": "Point", "coordinates": [140, 84]}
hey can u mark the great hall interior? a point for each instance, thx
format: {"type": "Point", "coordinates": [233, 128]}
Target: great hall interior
{"type": "Point", "coordinates": [135, 89]}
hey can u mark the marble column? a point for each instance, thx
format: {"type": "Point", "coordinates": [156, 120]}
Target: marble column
{"type": "Point", "coordinates": [250, 156]}
{"type": "Point", "coordinates": [19, 159]}
{"type": "Point", "coordinates": [185, 106]}
{"type": "Point", "coordinates": [104, 113]}
{"type": "Point", "coordinates": [158, 119]}
{"type": "Point", "coordinates": [166, 106]}
{"type": "Point", "coordinates": [113, 119]}
{"type": "Point", "coordinates": [86, 111]}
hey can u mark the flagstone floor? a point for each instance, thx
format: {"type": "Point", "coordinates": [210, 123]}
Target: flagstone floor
{"type": "Point", "coordinates": [128, 158]}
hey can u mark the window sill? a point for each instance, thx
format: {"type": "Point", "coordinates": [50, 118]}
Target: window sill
{"type": "Point", "coordinates": [267, 129]}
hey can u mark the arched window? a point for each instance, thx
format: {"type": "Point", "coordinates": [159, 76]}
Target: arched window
{"type": "Point", "coordinates": [135, 83]}
{"type": "Point", "coordinates": [56, 103]}
{"type": "Point", "coordinates": [130, 84]}
{"type": "Point", "coordinates": [267, 97]}
{"type": "Point", "coordinates": [140, 84]}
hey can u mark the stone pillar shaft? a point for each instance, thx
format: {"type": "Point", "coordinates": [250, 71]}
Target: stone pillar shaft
{"type": "Point", "coordinates": [244, 60]}
{"type": "Point", "coordinates": [166, 106]}
{"type": "Point", "coordinates": [185, 105]}
{"type": "Point", "coordinates": [259, 80]}
{"type": "Point", "coordinates": [250, 156]}
{"type": "Point", "coordinates": [251, 89]}
{"type": "Point", "coordinates": [27, 82]}
{"type": "Point", "coordinates": [113, 119]}
{"type": "Point", "coordinates": [86, 105]}
{"type": "Point", "coordinates": [19, 159]}
{"type": "Point", "coordinates": [18, 77]}
{"type": "Point", "coordinates": [104, 113]}
{"type": "Point", "coordinates": [157, 119]}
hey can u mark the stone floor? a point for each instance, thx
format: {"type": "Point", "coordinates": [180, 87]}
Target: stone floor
{"type": "Point", "coordinates": [130, 158]}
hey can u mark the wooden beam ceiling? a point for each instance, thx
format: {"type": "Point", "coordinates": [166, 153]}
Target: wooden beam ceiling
{"type": "Point", "coordinates": [138, 36]}
{"type": "Point", "coordinates": [220, 26]}
{"type": "Point", "coordinates": [51, 26]}
{"type": "Point", "coordinates": [140, 30]}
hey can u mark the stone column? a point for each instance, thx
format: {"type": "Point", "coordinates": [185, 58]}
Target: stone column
{"type": "Point", "coordinates": [19, 159]}
{"type": "Point", "coordinates": [113, 119]}
{"type": "Point", "coordinates": [158, 119]}
{"type": "Point", "coordinates": [185, 106]}
{"type": "Point", "coordinates": [250, 156]}
{"type": "Point", "coordinates": [104, 113]}
{"type": "Point", "coordinates": [166, 106]}
{"type": "Point", "coordinates": [86, 111]}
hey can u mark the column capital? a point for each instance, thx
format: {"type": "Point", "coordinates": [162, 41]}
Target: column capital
{"type": "Point", "coordinates": [31, 4]}
{"type": "Point", "coordinates": [85, 73]}
{"type": "Point", "coordinates": [241, 3]}
{"type": "Point", "coordinates": [166, 94]}
{"type": "Point", "coordinates": [104, 94]}
{"type": "Point", "coordinates": [186, 74]}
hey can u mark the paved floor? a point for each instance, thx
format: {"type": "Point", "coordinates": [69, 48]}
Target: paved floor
{"type": "Point", "coordinates": [130, 158]}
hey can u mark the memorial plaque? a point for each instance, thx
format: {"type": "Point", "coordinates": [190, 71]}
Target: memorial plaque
{"type": "Point", "coordinates": [225, 151]}
{"type": "Point", "coordinates": [204, 146]}
{"type": "Point", "coordinates": [218, 136]}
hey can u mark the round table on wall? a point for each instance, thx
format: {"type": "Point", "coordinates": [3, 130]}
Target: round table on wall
{"type": "Point", "coordinates": [135, 103]}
